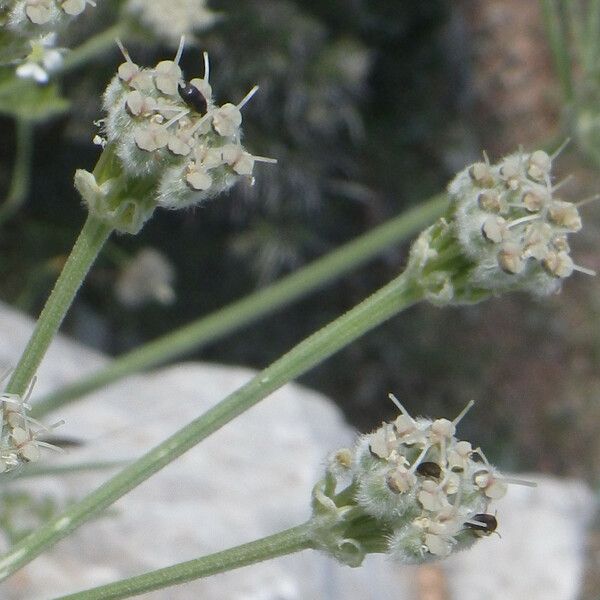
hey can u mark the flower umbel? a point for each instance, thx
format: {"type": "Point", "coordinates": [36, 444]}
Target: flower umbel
{"type": "Point", "coordinates": [166, 144]}
{"type": "Point", "coordinates": [505, 230]}
{"type": "Point", "coordinates": [410, 489]}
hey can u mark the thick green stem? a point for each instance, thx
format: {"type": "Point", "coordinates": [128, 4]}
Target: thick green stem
{"type": "Point", "coordinates": [86, 249]}
{"type": "Point", "coordinates": [19, 184]}
{"type": "Point", "coordinates": [286, 542]}
{"type": "Point", "coordinates": [396, 296]}
{"type": "Point", "coordinates": [242, 312]}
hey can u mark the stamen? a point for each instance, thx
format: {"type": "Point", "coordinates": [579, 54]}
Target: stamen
{"type": "Point", "coordinates": [515, 481]}
{"type": "Point", "coordinates": [523, 220]}
{"type": "Point", "coordinates": [418, 459]}
{"type": "Point", "coordinates": [247, 97]}
{"type": "Point", "coordinates": [264, 159]}
{"type": "Point", "coordinates": [464, 411]}
{"type": "Point", "coordinates": [179, 50]}
{"type": "Point", "coordinates": [585, 270]}
{"type": "Point", "coordinates": [176, 118]}
{"type": "Point", "coordinates": [399, 406]}
{"type": "Point", "coordinates": [124, 51]}
{"type": "Point", "coordinates": [587, 200]}
{"type": "Point", "coordinates": [561, 183]}
{"type": "Point", "coordinates": [199, 123]}
{"type": "Point", "coordinates": [560, 149]}
{"type": "Point", "coordinates": [206, 66]}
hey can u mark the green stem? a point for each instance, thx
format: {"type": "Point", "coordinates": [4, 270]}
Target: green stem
{"type": "Point", "coordinates": [242, 312]}
{"type": "Point", "coordinates": [19, 185]}
{"type": "Point", "coordinates": [286, 542]}
{"type": "Point", "coordinates": [396, 296]}
{"type": "Point", "coordinates": [559, 47]}
{"type": "Point", "coordinates": [88, 245]}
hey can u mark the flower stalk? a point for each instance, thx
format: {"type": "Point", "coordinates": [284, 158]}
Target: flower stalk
{"type": "Point", "coordinates": [289, 541]}
{"type": "Point", "coordinates": [462, 258]}
{"type": "Point", "coordinates": [396, 296]}
{"type": "Point", "coordinates": [87, 247]}
{"type": "Point", "coordinates": [410, 489]}
{"type": "Point", "coordinates": [247, 310]}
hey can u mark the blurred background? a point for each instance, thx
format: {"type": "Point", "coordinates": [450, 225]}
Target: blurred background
{"type": "Point", "coordinates": [370, 108]}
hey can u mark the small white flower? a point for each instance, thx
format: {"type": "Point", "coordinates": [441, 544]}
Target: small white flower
{"type": "Point", "coordinates": [138, 104]}
{"type": "Point", "coordinates": [227, 120]}
{"type": "Point", "coordinates": [39, 11]}
{"type": "Point", "coordinates": [75, 7]}
{"type": "Point", "coordinates": [167, 76]}
{"type": "Point", "coordinates": [43, 60]}
{"type": "Point", "coordinates": [151, 137]}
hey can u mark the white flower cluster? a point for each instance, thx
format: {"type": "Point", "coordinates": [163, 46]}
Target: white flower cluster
{"type": "Point", "coordinates": [424, 492]}
{"type": "Point", "coordinates": [170, 136]}
{"type": "Point", "coordinates": [510, 224]}
{"type": "Point", "coordinates": [19, 443]}
{"type": "Point", "coordinates": [25, 15]}
{"type": "Point", "coordinates": [170, 19]}
{"type": "Point", "coordinates": [42, 61]}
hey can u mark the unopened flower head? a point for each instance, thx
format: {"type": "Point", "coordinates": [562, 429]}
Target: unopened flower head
{"type": "Point", "coordinates": [412, 490]}
{"type": "Point", "coordinates": [506, 230]}
{"type": "Point", "coordinates": [167, 144]}
{"type": "Point", "coordinates": [170, 19]}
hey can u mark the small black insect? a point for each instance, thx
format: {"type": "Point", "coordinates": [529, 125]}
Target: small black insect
{"type": "Point", "coordinates": [193, 97]}
{"type": "Point", "coordinates": [483, 522]}
{"type": "Point", "coordinates": [429, 469]}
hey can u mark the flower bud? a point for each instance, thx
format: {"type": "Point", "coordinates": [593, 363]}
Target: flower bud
{"type": "Point", "coordinates": [411, 489]}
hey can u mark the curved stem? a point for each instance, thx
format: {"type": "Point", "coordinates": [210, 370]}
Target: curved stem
{"type": "Point", "coordinates": [19, 185]}
{"type": "Point", "coordinates": [396, 296]}
{"type": "Point", "coordinates": [289, 541]}
{"type": "Point", "coordinates": [242, 312]}
{"type": "Point", "coordinates": [89, 243]}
